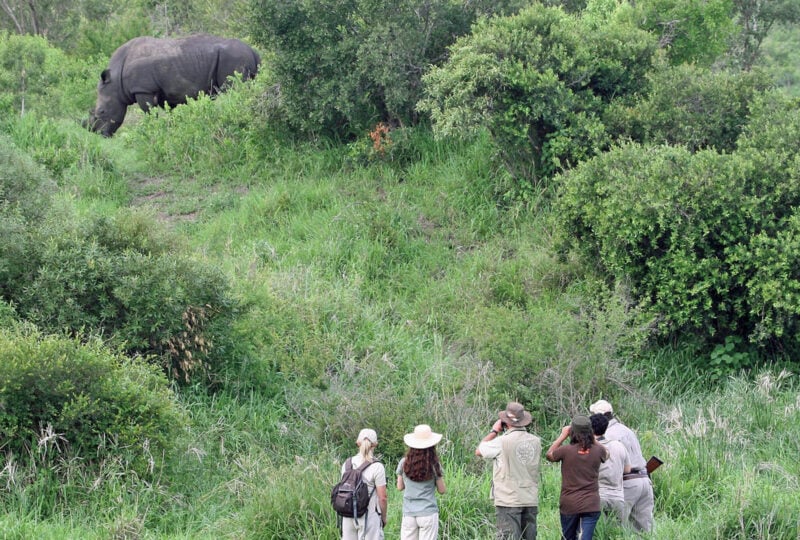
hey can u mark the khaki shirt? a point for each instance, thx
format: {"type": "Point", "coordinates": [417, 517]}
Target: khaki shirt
{"type": "Point", "coordinates": [515, 476]}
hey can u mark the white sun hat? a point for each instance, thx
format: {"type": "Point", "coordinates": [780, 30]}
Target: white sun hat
{"type": "Point", "coordinates": [422, 437]}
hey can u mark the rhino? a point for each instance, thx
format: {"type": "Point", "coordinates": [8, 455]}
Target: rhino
{"type": "Point", "coordinates": [159, 71]}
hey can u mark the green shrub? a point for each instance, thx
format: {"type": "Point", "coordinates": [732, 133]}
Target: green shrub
{"type": "Point", "coordinates": [208, 139]}
{"type": "Point", "coordinates": [35, 76]}
{"type": "Point", "coordinates": [25, 199]}
{"type": "Point", "coordinates": [58, 145]}
{"type": "Point", "coordinates": [126, 279]}
{"type": "Point", "coordinates": [60, 392]}
{"type": "Point", "coordinates": [707, 241]}
{"type": "Point", "coordinates": [539, 81]}
{"type": "Point", "coordinates": [689, 105]}
{"type": "Point", "coordinates": [25, 187]}
{"type": "Point", "coordinates": [345, 65]}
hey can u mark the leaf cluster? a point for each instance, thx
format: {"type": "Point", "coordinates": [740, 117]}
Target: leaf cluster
{"type": "Point", "coordinates": [123, 277]}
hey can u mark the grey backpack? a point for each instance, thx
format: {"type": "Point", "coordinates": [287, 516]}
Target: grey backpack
{"type": "Point", "coordinates": [350, 496]}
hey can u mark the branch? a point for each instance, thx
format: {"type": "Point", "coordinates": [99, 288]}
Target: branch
{"type": "Point", "coordinates": [10, 13]}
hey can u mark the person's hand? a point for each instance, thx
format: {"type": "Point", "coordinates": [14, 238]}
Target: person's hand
{"type": "Point", "coordinates": [565, 431]}
{"type": "Point", "coordinates": [498, 426]}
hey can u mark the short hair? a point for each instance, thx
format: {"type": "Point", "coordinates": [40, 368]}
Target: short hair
{"type": "Point", "coordinates": [599, 424]}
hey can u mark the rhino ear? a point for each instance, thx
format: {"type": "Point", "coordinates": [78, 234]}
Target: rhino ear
{"type": "Point", "coordinates": [105, 76]}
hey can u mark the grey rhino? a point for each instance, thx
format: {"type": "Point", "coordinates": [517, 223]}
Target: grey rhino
{"type": "Point", "coordinates": [154, 72]}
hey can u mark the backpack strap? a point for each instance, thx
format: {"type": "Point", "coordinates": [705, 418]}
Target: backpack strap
{"type": "Point", "coordinates": [361, 468]}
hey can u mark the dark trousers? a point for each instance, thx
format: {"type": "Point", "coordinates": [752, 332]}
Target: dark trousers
{"type": "Point", "coordinates": [585, 521]}
{"type": "Point", "coordinates": [516, 523]}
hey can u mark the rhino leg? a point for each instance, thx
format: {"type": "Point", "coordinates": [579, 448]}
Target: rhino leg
{"type": "Point", "coordinates": [147, 101]}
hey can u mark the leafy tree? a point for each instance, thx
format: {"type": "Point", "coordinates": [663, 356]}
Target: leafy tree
{"type": "Point", "coordinates": [756, 19]}
{"type": "Point", "coordinates": [539, 81]}
{"type": "Point", "coordinates": [56, 20]}
{"type": "Point", "coordinates": [691, 32]}
{"type": "Point", "coordinates": [344, 65]}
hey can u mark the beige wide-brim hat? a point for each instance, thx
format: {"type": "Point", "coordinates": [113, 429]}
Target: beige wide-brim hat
{"type": "Point", "coordinates": [422, 437]}
{"type": "Point", "coordinates": [515, 415]}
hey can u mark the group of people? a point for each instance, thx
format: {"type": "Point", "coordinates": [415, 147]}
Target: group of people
{"type": "Point", "coordinates": [603, 471]}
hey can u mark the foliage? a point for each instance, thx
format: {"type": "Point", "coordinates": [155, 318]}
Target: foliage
{"type": "Point", "coordinates": [59, 392]}
{"type": "Point", "coordinates": [35, 76]}
{"type": "Point", "coordinates": [124, 279]}
{"type": "Point", "coordinates": [781, 57]}
{"type": "Point", "coordinates": [539, 81]}
{"type": "Point", "coordinates": [25, 197]}
{"type": "Point", "coordinates": [729, 358]}
{"type": "Point", "coordinates": [705, 240]}
{"type": "Point", "coordinates": [121, 277]}
{"type": "Point", "coordinates": [345, 65]}
{"type": "Point", "coordinates": [691, 32]}
{"type": "Point", "coordinates": [690, 106]}
{"type": "Point", "coordinates": [209, 139]}
{"type": "Point", "coordinates": [756, 20]}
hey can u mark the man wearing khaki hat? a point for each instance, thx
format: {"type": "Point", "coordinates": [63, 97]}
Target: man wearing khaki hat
{"type": "Point", "coordinates": [515, 477]}
{"type": "Point", "coordinates": [636, 484]}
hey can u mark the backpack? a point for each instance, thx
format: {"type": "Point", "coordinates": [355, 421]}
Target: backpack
{"type": "Point", "coordinates": [350, 496]}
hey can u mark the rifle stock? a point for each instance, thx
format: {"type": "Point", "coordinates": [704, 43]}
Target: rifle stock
{"type": "Point", "coordinates": [653, 463]}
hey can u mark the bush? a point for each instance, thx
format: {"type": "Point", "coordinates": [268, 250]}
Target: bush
{"type": "Point", "coordinates": [126, 279]}
{"type": "Point", "coordinates": [691, 32]}
{"type": "Point", "coordinates": [205, 138]}
{"type": "Point", "coordinates": [689, 105]}
{"type": "Point", "coordinates": [58, 145]}
{"type": "Point", "coordinates": [539, 81]}
{"type": "Point", "coordinates": [35, 76]}
{"type": "Point", "coordinates": [60, 392]}
{"type": "Point", "coordinates": [25, 199]}
{"type": "Point", "coordinates": [345, 65]}
{"type": "Point", "coordinates": [707, 241]}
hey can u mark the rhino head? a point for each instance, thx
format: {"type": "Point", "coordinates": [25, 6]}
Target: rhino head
{"type": "Point", "coordinates": [110, 109]}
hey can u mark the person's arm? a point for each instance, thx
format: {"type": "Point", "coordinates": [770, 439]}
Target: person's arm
{"type": "Point", "coordinates": [563, 436]}
{"type": "Point", "coordinates": [400, 484]}
{"type": "Point", "coordinates": [440, 487]}
{"type": "Point", "coordinates": [383, 502]}
{"type": "Point", "coordinates": [626, 468]}
{"type": "Point", "coordinates": [497, 429]}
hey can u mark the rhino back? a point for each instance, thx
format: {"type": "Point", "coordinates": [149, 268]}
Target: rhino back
{"type": "Point", "coordinates": [179, 68]}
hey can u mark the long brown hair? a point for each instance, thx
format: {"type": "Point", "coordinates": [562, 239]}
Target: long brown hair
{"type": "Point", "coordinates": [422, 464]}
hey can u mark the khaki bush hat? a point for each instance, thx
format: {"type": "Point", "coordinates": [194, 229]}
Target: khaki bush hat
{"type": "Point", "coordinates": [515, 415]}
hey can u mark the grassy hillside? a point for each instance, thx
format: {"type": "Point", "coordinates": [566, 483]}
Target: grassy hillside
{"type": "Point", "coordinates": [384, 291]}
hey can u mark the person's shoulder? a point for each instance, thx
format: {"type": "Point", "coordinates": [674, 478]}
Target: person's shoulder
{"type": "Point", "coordinates": [614, 445]}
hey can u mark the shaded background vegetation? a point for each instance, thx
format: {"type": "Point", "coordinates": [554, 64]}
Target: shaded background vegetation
{"type": "Point", "coordinates": [417, 211]}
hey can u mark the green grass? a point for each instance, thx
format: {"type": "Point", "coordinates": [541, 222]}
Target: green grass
{"type": "Point", "coordinates": [386, 294]}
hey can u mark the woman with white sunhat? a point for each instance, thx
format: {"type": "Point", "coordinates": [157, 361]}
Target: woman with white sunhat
{"type": "Point", "coordinates": [419, 477]}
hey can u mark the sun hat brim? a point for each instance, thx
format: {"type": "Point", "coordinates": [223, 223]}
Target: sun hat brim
{"type": "Point", "coordinates": [420, 443]}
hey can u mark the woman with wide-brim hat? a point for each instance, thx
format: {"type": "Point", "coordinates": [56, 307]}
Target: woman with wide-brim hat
{"type": "Point", "coordinates": [419, 477]}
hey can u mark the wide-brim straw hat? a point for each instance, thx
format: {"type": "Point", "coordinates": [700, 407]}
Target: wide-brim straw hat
{"type": "Point", "coordinates": [422, 437]}
{"type": "Point", "coordinates": [515, 415]}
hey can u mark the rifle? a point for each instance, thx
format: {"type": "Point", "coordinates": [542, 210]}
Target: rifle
{"type": "Point", "coordinates": [653, 463]}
